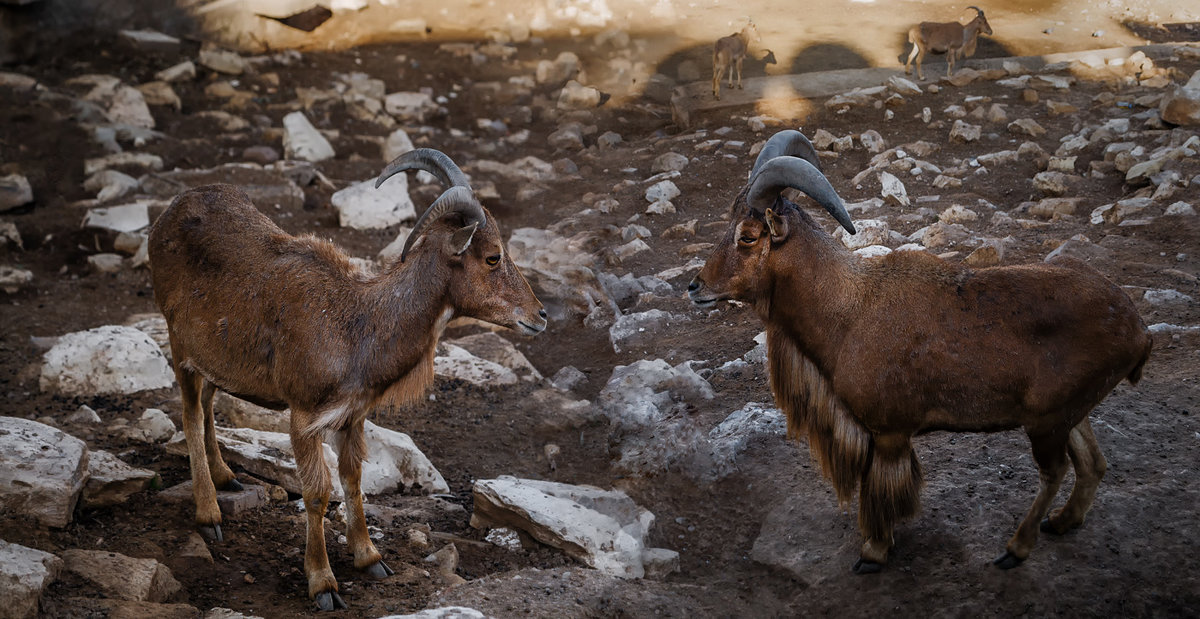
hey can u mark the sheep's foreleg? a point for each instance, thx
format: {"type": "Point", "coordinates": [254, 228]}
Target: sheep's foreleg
{"type": "Point", "coordinates": [1090, 467]}
{"type": "Point", "coordinates": [1050, 453]}
{"type": "Point", "coordinates": [316, 486]}
{"type": "Point", "coordinates": [352, 449]}
{"type": "Point", "coordinates": [891, 492]}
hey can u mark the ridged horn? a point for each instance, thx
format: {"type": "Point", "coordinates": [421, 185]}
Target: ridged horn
{"type": "Point", "coordinates": [977, 9]}
{"type": "Point", "coordinates": [429, 159]}
{"type": "Point", "coordinates": [786, 142]}
{"type": "Point", "coordinates": [458, 197]}
{"type": "Point", "coordinates": [783, 172]}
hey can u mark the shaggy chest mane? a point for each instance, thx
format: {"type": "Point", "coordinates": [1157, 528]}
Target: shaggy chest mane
{"type": "Point", "coordinates": [836, 440]}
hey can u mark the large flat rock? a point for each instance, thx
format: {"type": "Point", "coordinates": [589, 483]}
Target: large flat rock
{"type": "Point", "coordinates": [603, 528]}
{"type": "Point", "coordinates": [121, 577]}
{"type": "Point", "coordinates": [42, 472]}
{"type": "Point", "coordinates": [24, 575]}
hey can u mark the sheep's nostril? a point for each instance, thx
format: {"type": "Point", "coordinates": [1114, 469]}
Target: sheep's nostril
{"type": "Point", "coordinates": [542, 313]}
{"type": "Point", "coordinates": [694, 286]}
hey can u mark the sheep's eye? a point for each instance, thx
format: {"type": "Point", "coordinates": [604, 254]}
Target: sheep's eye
{"type": "Point", "coordinates": [492, 260]}
{"type": "Point", "coordinates": [747, 240]}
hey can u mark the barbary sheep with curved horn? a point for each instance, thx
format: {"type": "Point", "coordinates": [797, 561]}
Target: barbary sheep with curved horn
{"type": "Point", "coordinates": [289, 322]}
{"type": "Point", "coordinates": [951, 38]}
{"type": "Point", "coordinates": [865, 353]}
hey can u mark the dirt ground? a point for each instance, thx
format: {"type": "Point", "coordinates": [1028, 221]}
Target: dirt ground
{"type": "Point", "coordinates": [1136, 556]}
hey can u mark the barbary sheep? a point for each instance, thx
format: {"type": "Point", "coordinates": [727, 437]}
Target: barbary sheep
{"type": "Point", "coordinates": [865, 353]}
{"type": "Point", "coordinates": [951, 38]}
{"type": "Point", "coordinates": [289, 322]}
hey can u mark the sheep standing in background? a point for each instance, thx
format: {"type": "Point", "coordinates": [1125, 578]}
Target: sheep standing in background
{"type": "Point", "coordinates": [728, 54]}
{"type": "Point", "coordinates": [865, 353]}
{"type": "Point", "coordinates": [288, 322]}
{"type": "Point", "coordinates": [951, 38]}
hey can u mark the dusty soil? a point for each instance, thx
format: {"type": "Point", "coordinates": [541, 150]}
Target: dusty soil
{"type": "Point", "coordinates": [1134, 557]}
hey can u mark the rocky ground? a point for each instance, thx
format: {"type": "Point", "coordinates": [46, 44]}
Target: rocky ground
{"type": "Point", "coordinates": [610, 211]}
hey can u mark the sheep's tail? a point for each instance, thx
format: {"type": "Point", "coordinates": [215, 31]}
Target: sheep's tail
{"type": "Point", "coordinates": [1136, 373]}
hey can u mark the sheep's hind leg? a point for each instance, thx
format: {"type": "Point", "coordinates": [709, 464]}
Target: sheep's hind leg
{"type": "Point", "coordinates": [204, 492]}
{"type": "Point", "coordinates": [352, 449]}
{"type": "Point", "coordinates": [1050, 453]}
{"type": "Point", "coordinates": [222, 476]}
{"type": "Point", "coordinates": [912, 54]}
{"type": "Point", "coordinates": [890, 492]}
{"type": "Point", "coordinates": [1090, 467]}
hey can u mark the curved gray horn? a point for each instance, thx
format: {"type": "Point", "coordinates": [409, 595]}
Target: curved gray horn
{"type": "Point", "coordinates": [786, 142]}
{"type": "Point", "coordinates": [783, 172]}
{"type": "Point", "coordinates": [457, 199]}
{"type": "Point", "coordinates": [431, 160]}
{"type": "Point", "coordinates": [977, 9]}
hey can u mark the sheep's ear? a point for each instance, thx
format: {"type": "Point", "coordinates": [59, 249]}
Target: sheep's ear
{"type": "Point", "coordinates": [461, 239]}
{"type": "Point", "coordinates": [776, 225]}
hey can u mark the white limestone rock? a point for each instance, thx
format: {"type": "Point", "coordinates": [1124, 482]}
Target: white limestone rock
{"type": "Point", "coordinates": [1167, 297]}
{"type": "Point", "coordinates": [410, 106]}
{"type": "Point", "coordinates": [630, 331]}
{"type": "Point", "coordinates": [25, 573]}
{"type": "Point", "coordinates": [392, 461]}
{"type": "Point", "coordinates": [892, 190]}
{"type": "Point", "coordinates": [222, 61]}
{"type": "Point", "coordinates": [122, 577]}
{"type": "Point", "coordinates": [112, 481]}
{"type": "Point", "coordinates": [495, 348]}
{"type": "Point", "coordinates": [870, 232]}
{"type": "Point", "coordinates": [457, 363]}
{"type": "Point", "coordinates": [13, 278]}
{"type": "Point", "coordinates": [42, 472]}
{"type": "Point", "coordinates": [302, 141]}
{"type": "Point", "coordinates": [109, 359]}
{"type": "Point", "coordinates": [636, 394]}
{"type": "Point", "coordinates": [363, 207]}
{"type": "Point", "coordinates": [397, 144]}
{"type": "Point", "coordinates": [14, 191]}
{"type": "Point", "coordinates": [603, 528]}
{"type": "Point", "coordinates": [123, 218]}
{"type": "Point", "coordinates": [576, 96]}
{"type": "Point", "coordinates": [110, 185]}
{"type": "Point", "coordinates": [965, 132]}
{"type": "Point", "coordinates": [395, 464]}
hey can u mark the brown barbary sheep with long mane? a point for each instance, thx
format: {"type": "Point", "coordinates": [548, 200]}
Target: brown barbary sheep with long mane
{"type": "Point", "coordinates": [865, 353]}
{"type": "Point", "coordinates": [289, 322]}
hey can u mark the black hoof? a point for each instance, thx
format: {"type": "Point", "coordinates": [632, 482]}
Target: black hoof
{"type": "Point", "coordinates": [233, 485]}
{"type": "Point", "coordinates": [863, 566]}
{"type": "Point", "coordinates": [1048, 527]}
{"type": "Point", "coordinates": [330, 600]}
{"type": "Point", "coordinates": [213, 533]}
{"type": "Point", "coordinates": [379, 570]}
{"type": "Point", "coordinates": [1007, 561]}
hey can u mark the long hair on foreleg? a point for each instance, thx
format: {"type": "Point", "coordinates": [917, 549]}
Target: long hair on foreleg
{"type": "Point", "coordinates": [891, 487]}
{"type": "Point", "coordinates": [836, 440]}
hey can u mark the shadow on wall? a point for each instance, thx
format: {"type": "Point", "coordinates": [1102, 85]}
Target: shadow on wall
{"type": "Point", "coordinates": [827, 57]}
{"type": "Point", "coordinates": [41, 26]}
{"type": "Point", "coordinates": [1164, 33]}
